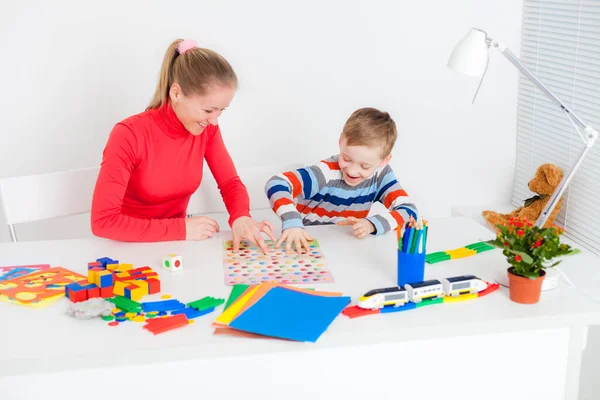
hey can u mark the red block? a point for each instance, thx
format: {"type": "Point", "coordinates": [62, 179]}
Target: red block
{"type": "Point", "coordinates": [94, 264]}
{"type": "Point", "coordinates": [106, 292]}
{"type": "Point", "coordinates": [93, 293]}
{"type": "Point", "coordinates": [153, 285]}
{"type": "Point", "coordinates": [77, 296]}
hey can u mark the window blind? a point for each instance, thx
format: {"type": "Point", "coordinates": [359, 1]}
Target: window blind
{"type": "Point", "coordinates": [560, 44]}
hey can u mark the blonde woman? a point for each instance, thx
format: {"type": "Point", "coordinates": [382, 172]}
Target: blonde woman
{"type": "Point", "coordinates": [153, 161]}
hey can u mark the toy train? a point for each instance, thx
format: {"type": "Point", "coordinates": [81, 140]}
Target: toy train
{"type": "Point", "coordinates": [416, 292]}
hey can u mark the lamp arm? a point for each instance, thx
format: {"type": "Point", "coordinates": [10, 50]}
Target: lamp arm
{"type": "Point", "coordinates": [590, 134]}
{"type": "Point", "coordinates": [525, 71]}
{"type": "Point", "coordinates": [558, 192]}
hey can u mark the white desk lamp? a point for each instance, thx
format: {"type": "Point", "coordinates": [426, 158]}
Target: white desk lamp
{"type": "Point", "coordinates": [470, 57]}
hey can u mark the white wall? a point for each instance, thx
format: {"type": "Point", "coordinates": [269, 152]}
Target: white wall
{"type": "Point", "coordinates": [72, 69]}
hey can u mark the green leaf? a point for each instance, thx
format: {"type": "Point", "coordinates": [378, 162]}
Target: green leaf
{"type": "Point", "coordinates": [526, 257]}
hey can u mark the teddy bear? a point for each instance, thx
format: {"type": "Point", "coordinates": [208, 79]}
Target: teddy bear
{"type": "Point", "coordinates": [547, 177]}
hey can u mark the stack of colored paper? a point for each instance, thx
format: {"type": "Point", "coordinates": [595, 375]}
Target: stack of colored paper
{"type": "Point", "coordinates": [276, 310]}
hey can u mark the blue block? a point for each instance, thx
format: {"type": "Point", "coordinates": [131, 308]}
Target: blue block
{"type": "Point", "coordinates": [167, 305]}
{"type": "Point", "coordinates": [72, 286]}
{"type": "Point", "coordinates": [288, 314]}
{"type": "Point", "coordinates": [89, 286]}
{"type": "Point", "coordinates": [107, 260]}
{"type": "Point", "coordinates": [192, 312]}
{"type": "Point", "coordinates": [120, 314]}
{"type": "Point", "coordinates": [106, 281]}
{"type": "Point", "coordinates": [391, 309]}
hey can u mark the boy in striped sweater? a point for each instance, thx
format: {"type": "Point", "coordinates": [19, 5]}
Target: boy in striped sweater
{"type": "Point", "coordinates": [342, 188]}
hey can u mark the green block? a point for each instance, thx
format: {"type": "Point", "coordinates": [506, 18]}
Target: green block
{"type": "Point", "coordinates": [236, 291]}
{"type": "Point", "coordinates": [480, 246]}
{"type": "Point", "coordinates": [428, 302]}
{"type": "Point", "coordinates": [124, 304]}
{"type": "Point", "coordinates": [205, 303]}
{"type": "Point", "coordinates": [108, 317]}
{"type": "Point", "coordinates": [435, 257]}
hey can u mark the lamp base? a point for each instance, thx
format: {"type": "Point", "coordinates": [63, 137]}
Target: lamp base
{"type": "Point", "coordinates": [551, 281]}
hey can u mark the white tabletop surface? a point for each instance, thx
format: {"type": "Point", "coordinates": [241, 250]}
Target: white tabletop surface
{"type": "Point", "coordinates": [43, 340]}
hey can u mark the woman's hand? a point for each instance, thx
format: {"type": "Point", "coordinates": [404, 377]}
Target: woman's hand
{"type": "Point", "coordinates": [246, 228]}
{"type": "Point", "coordinates": [360, 227]}
{"type": "Point", "coordinates": [200, 228]}
{"type": "Point", "coordinates": [298, 236]}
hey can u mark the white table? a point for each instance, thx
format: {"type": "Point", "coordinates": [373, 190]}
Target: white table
{"type": "Point", "coordinates": [489, 347]}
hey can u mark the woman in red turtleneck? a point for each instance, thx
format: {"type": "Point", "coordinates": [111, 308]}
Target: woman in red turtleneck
{"type": "Point", "coordinates": [153, 161]}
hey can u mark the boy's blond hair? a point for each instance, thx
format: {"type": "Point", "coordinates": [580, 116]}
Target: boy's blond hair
{"type": "Point", "coordinates": [371, 127]}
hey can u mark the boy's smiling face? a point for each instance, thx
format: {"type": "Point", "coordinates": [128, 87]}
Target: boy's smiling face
{"type": "Point", "coordinates": [358, 163]}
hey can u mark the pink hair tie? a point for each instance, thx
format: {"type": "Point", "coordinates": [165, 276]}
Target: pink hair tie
{"type": "Point", "coordinates": [185, 45]}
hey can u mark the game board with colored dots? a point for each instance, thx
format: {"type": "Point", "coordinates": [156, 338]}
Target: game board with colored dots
{"type": "Point", "coordinates": [251, 266]}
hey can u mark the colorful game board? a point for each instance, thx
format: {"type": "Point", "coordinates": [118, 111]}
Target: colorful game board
{"type": "Point", "coordinates": [7, 273]}
{"type": "Point", "coordinates": [251, 266]}
{"type": "Point", "coordinates": [39, 288]}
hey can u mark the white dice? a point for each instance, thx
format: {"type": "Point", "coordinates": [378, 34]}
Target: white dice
{"type": "Point", "coordinates": [173, 263]}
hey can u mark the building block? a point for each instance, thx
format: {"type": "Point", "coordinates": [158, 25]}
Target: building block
{"type": "Point", "coordinates": [173, 263]}
{"type": "Point", "coordinates": [136, 290]}
{"type": "Point", "coordinates": [153, 285]}
{"type": "Point", "coordinates": [93, 292]}
{"type": "Point", "coordinates": [71, 287]}
{"type": "Point", "coordinates": [125, 304]}
{"type": "Point", "coordinates": [191, 313]}
{"type": "Point", "coordinates": [94, 264]}
{"type": "Point", "coordinates": [122, 275]}
{"type": "Point", "coordinates": [92, 272]}
{"type": "Point", "coordinates": [106, 292]}
{"type": "Point", "coordinates": [206, 303]}
{"type": "Point", "coordinates": [124, 267]}
{"type": "Point", "coordinates": [77, 294]}
{"type": "Point", "coordinates": [106, 260]}
{"type": "Point", "coordinates": [112, 267]}
{"type": "Point", "coordinates": [167, 305]}
{"type": "Point", "coordinates": [103, 279]}
{"type": "Point", "coordinates": [119, 288]}
{"type": "Point", "coordinates": [160, 325]}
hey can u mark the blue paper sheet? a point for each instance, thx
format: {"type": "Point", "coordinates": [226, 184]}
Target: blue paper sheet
{"type": "Point", "coordinates": [288, 314]}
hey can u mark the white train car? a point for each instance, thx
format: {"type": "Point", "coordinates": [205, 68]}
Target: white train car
{"type": "Point", "coordinates": [419, 291]}
{"type": "Point", "coordinates": [379, 298]}
{"type": "Point", "coordinates": [463, 284]}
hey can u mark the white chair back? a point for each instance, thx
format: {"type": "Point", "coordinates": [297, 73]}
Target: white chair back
{"type": "Point", "coordinates": [207, 199]}
{"type": "Point", "coordinates": [45, 196]}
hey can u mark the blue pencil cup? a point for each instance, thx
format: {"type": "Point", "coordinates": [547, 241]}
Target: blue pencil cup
{"type": "Point", "coordinates": [411, 268]}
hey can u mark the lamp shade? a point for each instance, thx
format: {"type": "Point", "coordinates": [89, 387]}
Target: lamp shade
{"type": "Point", "coordinates": [470, 56]}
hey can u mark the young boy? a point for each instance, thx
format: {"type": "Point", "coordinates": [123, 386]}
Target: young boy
{"type": "Point", "coordinates": [341, 189]}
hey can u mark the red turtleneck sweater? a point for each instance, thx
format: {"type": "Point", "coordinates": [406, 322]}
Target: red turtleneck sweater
{"type": "Point", "coordinates": [150, 168]}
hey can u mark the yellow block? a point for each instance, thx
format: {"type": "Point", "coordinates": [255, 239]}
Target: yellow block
{"type": "Point", "coordinates": [112, 267]}
{"type": "Point", "coordinates": [233, 309]}
{"type": "Point", "coordinates": [122, 274]}
{"type": "Point", "coordinates": [459, 253]}
{"type": "Point", "coordinates": [119, 288]}
{"type": "Point", "coordinates": [143, 285]}
{"type": "Point", "coordinates": [462, 297]}
{"type": "Point", "coordinates": [98, 275]}
{"type": "Point", "coordinates": [125, 267]}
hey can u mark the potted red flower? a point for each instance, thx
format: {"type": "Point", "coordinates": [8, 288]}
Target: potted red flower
{"type": "Point", "coordinates": [529, 250]}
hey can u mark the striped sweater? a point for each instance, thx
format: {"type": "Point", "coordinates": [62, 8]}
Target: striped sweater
{"type": "Point", "coordinates": [318, 195]}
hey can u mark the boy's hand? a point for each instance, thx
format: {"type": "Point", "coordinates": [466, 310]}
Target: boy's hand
{"type": "Point", "coordinates": [360, 227]}
{"type": "Point", "coordinates": [297, 236]}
